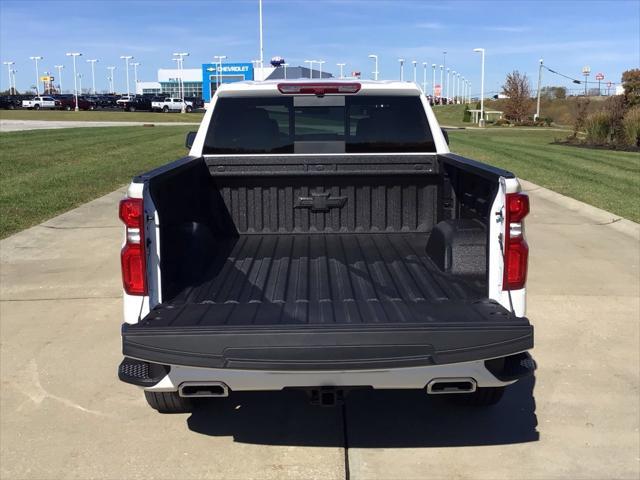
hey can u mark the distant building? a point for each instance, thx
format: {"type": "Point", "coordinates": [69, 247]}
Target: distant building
{"type": "Point", "coordinates": [202, 82]}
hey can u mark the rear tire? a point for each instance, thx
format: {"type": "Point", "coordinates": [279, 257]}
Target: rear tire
{"type": "Point", "coordinates": [68, 108]}
{"type": "Point", "coordinates": [36, 107]}
{"type": "Point", "coordinates": [482, 397]}
{"type": "Point", "coordinates": [165, 109]}
{"type": "Point", "coordinates": [168, 402]}
{"type": "Point", "coordinates": [189, 109]}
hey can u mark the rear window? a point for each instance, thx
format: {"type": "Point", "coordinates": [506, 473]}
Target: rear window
{"type": "Point", "coordinates": [335, 124]}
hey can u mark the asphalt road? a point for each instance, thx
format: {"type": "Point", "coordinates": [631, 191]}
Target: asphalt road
{"type": "Point", "coordinates": [64, 414]}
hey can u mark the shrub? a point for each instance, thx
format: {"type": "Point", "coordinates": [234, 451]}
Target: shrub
{"type": "Point", "coordinates": [581, 115]}
{"type": "Point", "coordinates": [502, 121]}
{"type": "Point", "coordinates": [547, 121]}
{"type": "Point", "coordinates": [598, 128]}
{"type": "Point", "coordinates": [466, 117]}
{"type": "Point", "coordinates": [631, 84]}
{"type": "Point", "coordinates": [631, 127]}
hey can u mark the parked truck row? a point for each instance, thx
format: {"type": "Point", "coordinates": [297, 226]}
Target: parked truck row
{"type": "Point", "coordinates": [321, 236]}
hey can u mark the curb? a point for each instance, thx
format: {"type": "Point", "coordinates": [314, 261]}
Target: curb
{"type": "Point", "coordinates": [601, 217]}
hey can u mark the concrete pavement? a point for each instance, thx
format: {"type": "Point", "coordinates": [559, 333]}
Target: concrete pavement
{"type": "Point", "coordinates": [64, 414]}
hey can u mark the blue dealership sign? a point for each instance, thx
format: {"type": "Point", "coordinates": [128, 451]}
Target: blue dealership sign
{"type": "Point", "coordinates": [213, 76]}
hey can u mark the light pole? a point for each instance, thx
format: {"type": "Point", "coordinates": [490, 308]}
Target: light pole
{"type": "Point", "coordinates": [441, 82]}
{"type": "Point", "coordinates": [320, 62]}
{"type": "Point", "coordinates": [401, 60]}
{"type": "Point", "coordinates": [310, 62]}
{"type": "Point", "coordinates": [457, 90]}
{"type": "Point", "coordinates": [481, 122]}
{"type": "Point", "coordinates": [537, 115]}
{"type": "Point", "coordinates": [13, 74]}
{"type": "Point", "coordinates": [73, 55]}
{"type": "Point", "coordinates": [375, 72]}
{"type": "Point", "coordinates": [448, 92]}
{"type": "Point", "coordinates": [126, 59]}
{"type": "Point", "coordinates": [341, 66]}
{"type": "Point", "coordinates": [181, 56]}
{"type": "Point", "coordinates": [453, 87]}
{"type": "Point", "coordinates": [415, 72]}
{"type": "Point", "coordinates": [59, 68]}
{"type": "Point", "coordinates": [135, 74]}
{"type": "Point", "coordinates": [80, 82]}
{"type": "Point", "coordinates": [11, 90]}
{"type": "Point", "coordinates": [261, 45]}
{"type": "Point", "coordinates": [36, 58]}
{"type": "Point", "coordinates": [424, 77]}
{"type": "Point", "coordinates": [219, 68]}
{"type": "Point", "coordinates": [433, 82]}
{"type": "Point", "coordinates": [463, 95]}
{"type": "Point", "coordinates": [111, 85]}
{"type": "Point", "coordinates": [93, 74]}
{"type": "Point", "coordinates": [285, 65]}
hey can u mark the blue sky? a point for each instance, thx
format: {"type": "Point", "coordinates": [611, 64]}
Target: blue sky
{"type": "Point", "coordinates": [515, 34]}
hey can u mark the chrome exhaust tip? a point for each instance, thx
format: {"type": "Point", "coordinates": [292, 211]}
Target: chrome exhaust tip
{"type": "Point", "coordinates": [443, 386]}
{"type": "Point", "coordinates": [203, 389]}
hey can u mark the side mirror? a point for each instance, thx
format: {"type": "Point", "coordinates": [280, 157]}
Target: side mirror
{"type": "Point", "coordinates": [446, 135]}
{"type": "Point", "coordinates": [191, 136]}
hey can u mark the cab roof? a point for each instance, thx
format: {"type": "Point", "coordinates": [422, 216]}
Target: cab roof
{"type": "Point", "coordinates": [270, 87]}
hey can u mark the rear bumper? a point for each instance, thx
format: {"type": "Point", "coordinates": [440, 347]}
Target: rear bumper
{"type": "Point", "coordinates": [482, 372]}
{"type": "Point", "coordinates": [308, 348]}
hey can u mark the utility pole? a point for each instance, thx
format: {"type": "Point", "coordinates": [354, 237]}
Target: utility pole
{"type": "Point", "coordinates": [93, 74]}
{"type": "Point", "coordinates": [401, 60]}
{"type": "Point", "coordinates": [341, 66]}
{"type": "Point", "coordinates": [73, 55]}
{"type": "Point", "coordinates": [537, 115]}
{"type": "Point", "coordinates": [36, 58]}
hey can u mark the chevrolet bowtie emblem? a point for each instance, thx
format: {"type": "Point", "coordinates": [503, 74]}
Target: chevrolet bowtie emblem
{"type": "Point", "coordinates": [320, 202]}
{"type": "Point", "coordinates": [210, 69]}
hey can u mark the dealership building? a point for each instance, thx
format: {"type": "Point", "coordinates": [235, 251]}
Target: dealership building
{"type": "Point", "coordinates": [203, 82]}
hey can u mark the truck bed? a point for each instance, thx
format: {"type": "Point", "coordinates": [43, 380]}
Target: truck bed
{"type": "Point", "coordinates": [309, 279]}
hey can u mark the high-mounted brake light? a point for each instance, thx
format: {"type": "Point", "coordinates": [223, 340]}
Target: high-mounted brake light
{"type": "Point", "coordinates": [516, 250]}
{"type": "Point", "coordinates": [318, 88]}
{"type": "Point", "coordinates": [132, 256]}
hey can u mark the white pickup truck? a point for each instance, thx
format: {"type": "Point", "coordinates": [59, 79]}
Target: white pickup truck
{"type": "Point", "coordinates": [37, 103]}
{"type": "Point", "coordinates": [172, 105]}
{"type": "Point", "coordinates": [320, 236]}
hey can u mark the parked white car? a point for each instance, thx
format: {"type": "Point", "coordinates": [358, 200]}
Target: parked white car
{"type": "Point", "coordinates": [172, 105]}
{"type": "Point", "coordinates": [37, 103]}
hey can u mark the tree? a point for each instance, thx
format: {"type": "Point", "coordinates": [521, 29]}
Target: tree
{"type": "Point", "coordinates": [553, 93]}
{"type": "Point", "coordinates": [631, 84]}
{"type": "Point", "coordinates": [518, 104]}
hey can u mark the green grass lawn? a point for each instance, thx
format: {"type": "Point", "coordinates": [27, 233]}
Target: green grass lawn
{"type": "Point", "coordinates": [100, 116]}
{"type": "Point", "coordinates": [607, 179]}
{"type": "Point", "coordinates": [47, 172]}
{"type": "Point", "coordinates": [451, 115]}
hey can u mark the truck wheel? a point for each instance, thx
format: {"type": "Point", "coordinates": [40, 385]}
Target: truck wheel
{"type": "Point", "coordinates": [92, 107]}
{"type": "Point", "coordinates": [482, 397]}
{"type": "Point", "coordinates": [68, 108]}
{"type": "Point", "coordinates": [168, 402]}
{"type": "Point", "coordinates": [132, 109]}
{"type": "Point", "coordinates": [189, 109]}
{"type": "Point", "coordinates": [36, 107]}
{"type": "Point", "coordinates": [165, 109]}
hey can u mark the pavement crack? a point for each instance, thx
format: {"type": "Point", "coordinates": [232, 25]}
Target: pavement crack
{"type": "Point", "coordinates": [345, 441]}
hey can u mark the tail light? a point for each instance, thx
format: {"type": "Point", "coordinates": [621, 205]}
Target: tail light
{"type": "Point", "coordinates": [318, 88]}
{"type": "Point", "coordinates": [516, 250]}
{"type": "Point", "coordinates": [132, 256]}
